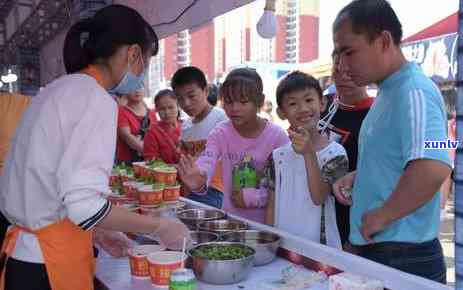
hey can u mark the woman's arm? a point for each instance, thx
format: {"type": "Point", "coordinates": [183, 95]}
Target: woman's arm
{"type": "Point", "coordinates": [131, 140]}
{"type": "Point", "coordinates": [151, 146]}
{"type": "Point", "coordinates": [123, 220]}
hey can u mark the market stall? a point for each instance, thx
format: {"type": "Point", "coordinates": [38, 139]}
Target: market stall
{"type": "Point", "coordinates": [115, 273]}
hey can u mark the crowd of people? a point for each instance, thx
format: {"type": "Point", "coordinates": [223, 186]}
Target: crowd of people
{"type": "Point", "coordinates": [351, 171]}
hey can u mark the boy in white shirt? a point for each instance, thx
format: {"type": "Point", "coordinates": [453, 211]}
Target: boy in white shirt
{"type": "Point", "coordinates": [303, 170]}
{"type": "Point", "coordinates": [190, 85]}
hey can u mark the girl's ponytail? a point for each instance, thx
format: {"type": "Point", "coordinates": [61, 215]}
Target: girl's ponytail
{"type": "Point", "coordinates": [76, 56]}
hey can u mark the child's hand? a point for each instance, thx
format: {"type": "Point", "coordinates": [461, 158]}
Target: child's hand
{"type": "Point", "coordinates": [342, 188]}
{"type": "Point", "coordinates": [237, 199]}
{"type": "Point", "coordinates": [250, 198]}
{"type": "Point", "coordinates": [301, 140]}
{"type": "Point", "coordinates": [190, 174]}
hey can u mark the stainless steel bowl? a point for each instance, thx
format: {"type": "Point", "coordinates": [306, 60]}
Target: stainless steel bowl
{"type": "Point", "coordinates": [221, 272]}
{"type": "Point", "coordinates": [193, 217]}
{"type": "Point", "coordinates": [264, 243]}
{"type": "Point", "coordinates": [222, 226]}
{"type": "Point", "coordinates": [201, 237]}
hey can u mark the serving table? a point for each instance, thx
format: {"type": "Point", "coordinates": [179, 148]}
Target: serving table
{"type": "Point", "coordinates": [114, 273]}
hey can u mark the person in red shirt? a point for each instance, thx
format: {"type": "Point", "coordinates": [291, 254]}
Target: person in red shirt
{"type": "Point", "coordinates": [162, 138]}
{"type": "Point", "coordinates": [134, 119]}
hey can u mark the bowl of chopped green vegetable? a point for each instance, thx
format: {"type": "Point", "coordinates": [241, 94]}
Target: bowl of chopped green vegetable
{"type": "Point", "coordinates": [264, 243]}
{"type": "Point", "coordinates": [222, 226]}
{"type": "Point", "coordinates": [222, 262]}
{"type": "Point", "coordinates": [193, 217]}
{"type": "Point", "coordinates": [199, 237]}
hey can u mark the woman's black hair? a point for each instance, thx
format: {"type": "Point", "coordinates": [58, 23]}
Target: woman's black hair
{"type": "Point", "coordinates": [100, 36]}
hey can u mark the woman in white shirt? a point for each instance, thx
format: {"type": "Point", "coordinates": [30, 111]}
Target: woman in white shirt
{"type": "Point", "coordinates": [62, 155]}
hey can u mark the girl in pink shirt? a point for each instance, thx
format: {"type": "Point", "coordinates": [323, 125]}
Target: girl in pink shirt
{"type": "Point", "coordinates": [245, 137]}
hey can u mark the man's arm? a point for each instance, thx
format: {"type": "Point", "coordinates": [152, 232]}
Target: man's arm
{"type": "Point", "coordinates": [421, 179]}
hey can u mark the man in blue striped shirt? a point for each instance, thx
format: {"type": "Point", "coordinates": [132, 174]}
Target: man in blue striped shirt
{"type": "Point", "coordinates": [395, 200]}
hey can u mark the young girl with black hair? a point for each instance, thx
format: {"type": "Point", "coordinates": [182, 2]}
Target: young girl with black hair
{"type": "Point", "coordinates": [162, 139]}
{"type": "Point", "coordinates": [245, 141]}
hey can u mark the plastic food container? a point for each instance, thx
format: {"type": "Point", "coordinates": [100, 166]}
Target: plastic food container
{"type": "Point", "coordinates": [124, 177]}
{"type": "Point", "coordinates": [138, 258]}
{"type": "Point", "coordinates": [117, 199]}
{"type": "Point", "coordinates": [167, 176]}
{"type": "Point", "coordinates": [137, 185]}
{"type": "Point", "coordinates": [150, 195]}
{"type": "Point", "coordinates": [113, 180]}
{"type": "Point", "coordinates": [130, 189]}
{"type": "Point", "coordinates": [144, 171]}
{"type": "Point", "coordinates": [171, 192]}
{"type": "Point", "coordinates": [162, 264]}
{"type": "Point", "coordinates": [138, 168]}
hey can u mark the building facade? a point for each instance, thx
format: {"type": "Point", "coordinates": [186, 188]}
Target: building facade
{"type": "Point", "coordinates": [232, 39]}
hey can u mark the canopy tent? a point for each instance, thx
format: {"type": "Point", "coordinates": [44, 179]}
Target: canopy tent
{"type": "Point", "coordinates": [167, 19]}
{"type": "Point", "coordinates": [179, 15]}
{"type": "Point", "coordinates": [435, 49]}
{"type": "Point", "coordinates": [447, 25]}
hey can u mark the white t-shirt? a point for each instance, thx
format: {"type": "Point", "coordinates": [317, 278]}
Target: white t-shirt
{"type": "Point", "coordinates": [60, 160]}
{"type": "Point", "coordinates": [295, 211]}
{"type": "Point", "coordinates": [194, 135]}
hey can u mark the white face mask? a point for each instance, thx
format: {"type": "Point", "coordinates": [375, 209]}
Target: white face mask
{"type": "Point", "coordinates": [130, 82]}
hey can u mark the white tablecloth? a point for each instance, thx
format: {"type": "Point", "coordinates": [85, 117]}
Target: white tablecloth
{"type": "Point", "coordinates": [115, 274]}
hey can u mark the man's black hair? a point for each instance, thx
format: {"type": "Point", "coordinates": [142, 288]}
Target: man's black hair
{"type": "Point", "coordinates": [188, 75]}
{"type": "Point", "coordinates": [370, 17]}
{"type": "Point", "coordinates": [297, 81]}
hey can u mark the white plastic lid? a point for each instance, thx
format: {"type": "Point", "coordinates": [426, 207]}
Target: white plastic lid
{"type": "Point", "coordinates": [165, 258]}
{"type": "Point", "coordinates": [145, 250]}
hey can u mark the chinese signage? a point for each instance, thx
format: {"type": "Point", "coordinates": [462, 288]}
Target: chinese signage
{"type": "Point", "coordinates": [436, 56]}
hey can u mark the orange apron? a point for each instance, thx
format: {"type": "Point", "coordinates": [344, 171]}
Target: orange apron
{"type": "Point", "coordinates": [66, 248]}
{"type": "Point", "coordinates": [67, 252]}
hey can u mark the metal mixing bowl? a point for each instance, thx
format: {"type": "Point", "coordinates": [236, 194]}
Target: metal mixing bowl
{"type": "Point", "coordinates": [193, 217]}
{"type": "Point", "coordinates": [201, 237]}
{"type": "Point", "coordinates": [222, 226]}
{"type": "Point", "coordinates": [221, 271]}
{"type": "Point", "coordinates": [264, 243]}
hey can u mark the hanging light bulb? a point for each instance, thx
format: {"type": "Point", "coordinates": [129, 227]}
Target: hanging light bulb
{"type": "Point", "coordinates": [10, 77]}
{"type": "Point", "coordinates": [267, 25]}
